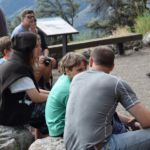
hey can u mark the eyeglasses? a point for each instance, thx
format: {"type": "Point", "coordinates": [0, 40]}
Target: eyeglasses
{"type": "Point", "coordinates": [30, 17]}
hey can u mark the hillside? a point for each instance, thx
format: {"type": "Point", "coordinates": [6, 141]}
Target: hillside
{"type": "Point", "coordinates": [102, 24]}
{"type": "Point", "coordinates": [11, 8]}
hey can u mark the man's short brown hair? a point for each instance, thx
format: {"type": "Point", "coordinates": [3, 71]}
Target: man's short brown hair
{"type": "Point", "coordinates": [25, 12]}
{"type": "Point", "coordinates": [103, 55]}
{"type": "Point", "coordinates": [5, 43]}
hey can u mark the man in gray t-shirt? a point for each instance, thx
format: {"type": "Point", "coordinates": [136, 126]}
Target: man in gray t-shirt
{"type": "Point", "coordinates": [93, 99]}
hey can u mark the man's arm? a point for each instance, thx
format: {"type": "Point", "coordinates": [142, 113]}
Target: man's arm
{"type": "Point", "coordinates": [129, 100]}
{"type": "Point", "coordinates": [124, 118]}
{"type": "Point", "coordinates": [129, 121]}
{"type": "Point", "coordinates": [141, 114]}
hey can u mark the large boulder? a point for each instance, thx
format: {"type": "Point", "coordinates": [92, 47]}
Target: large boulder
{"type": "Point", "coordinates": [48, 143]}
{"type": "Point", "coordinates": [146, 39]}
{"type": "Point", "coordinates": [15, 138]}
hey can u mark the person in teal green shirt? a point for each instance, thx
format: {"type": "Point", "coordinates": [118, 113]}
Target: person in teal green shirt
{"type": "Point", "coordinates": [71, 64]}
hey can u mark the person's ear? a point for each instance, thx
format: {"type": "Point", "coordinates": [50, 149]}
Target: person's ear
{"type": "Point", "coordinates": [91, 62]}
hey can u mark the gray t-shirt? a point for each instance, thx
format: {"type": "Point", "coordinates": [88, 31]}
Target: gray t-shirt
{"type": "Point", "coordinates": [93, 99]}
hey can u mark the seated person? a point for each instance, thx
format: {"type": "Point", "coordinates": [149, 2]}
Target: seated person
{"type": "Point", "coordinates": [93, 99]}
{"type": "Point", "coordinates": [121, 123]}
{"type": "Point", "coordinates": [71, 64]}
{"type": "Point", "coordinates": [17, 82]}
{"type": "Point", "coordinates": [45, 80]}
{"type": "Point", "coordinates": [5, 48]}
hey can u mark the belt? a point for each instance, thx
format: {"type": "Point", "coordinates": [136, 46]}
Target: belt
{"type": "Point", "coordinates": [99, 146]}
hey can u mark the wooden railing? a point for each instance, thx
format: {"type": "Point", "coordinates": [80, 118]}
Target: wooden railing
{"type": "Point", "coordinates": [118, 40]}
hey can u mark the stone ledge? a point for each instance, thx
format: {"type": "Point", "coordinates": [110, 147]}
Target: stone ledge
{"type": "Point", "coordinates": [15, 138]}
{"type": "Point", "coordinates": [48, 143]}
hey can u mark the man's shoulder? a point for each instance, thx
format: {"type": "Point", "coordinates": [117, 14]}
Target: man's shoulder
{"type": "Point", "coordinates": [63, 83]}
{"type": "Point", "coordinates": [18, 29]}
{"type": "Point", "coordinates": [98, 74]}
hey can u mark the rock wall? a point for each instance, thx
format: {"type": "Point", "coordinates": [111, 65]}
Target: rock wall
{"type": "Point", "coordinates": [113, 13]}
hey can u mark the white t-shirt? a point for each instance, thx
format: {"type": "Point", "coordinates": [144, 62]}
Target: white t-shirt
{"type": "Point", "coordinates": [22, 84]}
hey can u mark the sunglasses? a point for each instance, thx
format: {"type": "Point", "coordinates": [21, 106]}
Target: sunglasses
{"type": "Point", "coordinates": [30, 17]}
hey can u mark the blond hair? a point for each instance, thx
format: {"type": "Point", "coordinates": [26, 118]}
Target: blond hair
{"type": "Point", "coordinates": [71, 60]}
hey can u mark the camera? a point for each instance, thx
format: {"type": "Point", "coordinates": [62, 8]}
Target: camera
{"type": "Point", "coordinates": [47, 61]}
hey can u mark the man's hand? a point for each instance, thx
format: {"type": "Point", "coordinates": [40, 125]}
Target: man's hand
{"type": "Point", "coordinates": [134, 124]}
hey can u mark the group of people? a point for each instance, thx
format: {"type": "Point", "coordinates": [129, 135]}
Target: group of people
{"type": "Point", "coordinates": [81, 105]}
{"type": "Point", "coordinates": [26, 70]}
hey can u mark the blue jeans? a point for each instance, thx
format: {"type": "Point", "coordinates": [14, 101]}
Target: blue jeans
{"type": "Point", "coordinates": [131, 140]}
{"type": "Point", "coordinates": [118, 125]}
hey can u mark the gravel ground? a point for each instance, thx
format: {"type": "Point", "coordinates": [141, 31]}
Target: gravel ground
{"type": "Point", "coordinates": [133, 67]}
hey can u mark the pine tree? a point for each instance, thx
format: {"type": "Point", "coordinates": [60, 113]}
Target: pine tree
{"type": "Point", "coordinates": [67, 9]}
{"type": "Point", "coordinates": [43, 8]}
{"type": "Point", "coordinates": [124, 13]}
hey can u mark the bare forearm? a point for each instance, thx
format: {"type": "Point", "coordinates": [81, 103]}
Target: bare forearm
{"type": "Point", "coordinates": [36, 96]}
{"type": "Point", "coordinates": [44, 91]}
{"type": "Point", "coordinates": [125, 119]}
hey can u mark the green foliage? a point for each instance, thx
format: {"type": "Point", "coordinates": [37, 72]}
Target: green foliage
{"type": "Point", "coordinates": [43, 8]}
{"type": "Point", "coordinates": [96, 24]}
{"type": "Point", "coordinates": [13, 23]}
{"type": "Point", "coordinates": [142, 24]}
{"type": "Point", "coordinates": [83, 36]}
{"type": "Point", "coordinates": [87, 35]}
{"type": "Point", "coordinates": [67, 9]}
{"type": "Point", "coordinates": [123, 13]}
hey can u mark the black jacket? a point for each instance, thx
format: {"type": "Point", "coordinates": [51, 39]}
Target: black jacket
{"type": "Point", "coordinates": [12, 112]}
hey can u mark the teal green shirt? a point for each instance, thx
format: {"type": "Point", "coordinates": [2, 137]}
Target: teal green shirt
{"type": "Point", "coordinates": [56, 106]}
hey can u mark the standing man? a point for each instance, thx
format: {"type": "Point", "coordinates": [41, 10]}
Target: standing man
{"type": "Point", "coordinates": [27, 18]}
{"type": "Point", "coordinates": [94, 96]}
